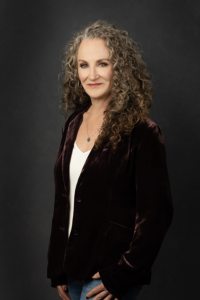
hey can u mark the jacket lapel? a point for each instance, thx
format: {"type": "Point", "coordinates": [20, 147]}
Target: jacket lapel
{"type": "Point", "coordinates": [72, 131]}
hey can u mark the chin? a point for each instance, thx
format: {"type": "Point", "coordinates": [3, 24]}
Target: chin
{"type": "Point", "coordinates": [96, 95]}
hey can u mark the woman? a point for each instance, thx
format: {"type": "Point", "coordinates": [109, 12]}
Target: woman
{"type": "Point", "coordinates": [113, 202]}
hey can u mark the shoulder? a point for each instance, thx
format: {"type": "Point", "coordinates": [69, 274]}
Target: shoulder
{"type": "Point", "coordinates": [72, 115]}
{"type": "Point", "coordinates": [152, 128]}
{"type": "Point", "coordinates": [147, 130]}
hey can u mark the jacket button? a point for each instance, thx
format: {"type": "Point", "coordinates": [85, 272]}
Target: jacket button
{"type": "Point", "coordinates": [79, 199]}
{"type": "Point", "coordinates": [76, 232]}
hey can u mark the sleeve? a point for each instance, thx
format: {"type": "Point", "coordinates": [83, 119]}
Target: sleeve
{"type": "Point", "coordinates": [61, 280]}
{"type": "Point", "coordinates": [52, 250]}
{"type": "Point", "coordinates": [154, 212]}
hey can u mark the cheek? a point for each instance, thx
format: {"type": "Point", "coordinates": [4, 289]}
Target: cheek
{"type": "Point", "coordinates": [108, 74]}
{"type": "Point", "coordinates": [81, 75]}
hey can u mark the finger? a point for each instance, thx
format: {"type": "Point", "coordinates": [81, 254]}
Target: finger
{"type": "Point", "coordinates": [62, 293]}
{"type": "Point", "coordinates": [96, 275]}
{"type": "Point", "coordinates": [65, 287]}
{"type": "Point", "coordinates": [109, 297]}
{"type": "Point", "coordinates": [95, 290]}
{"type": "Point", "coordinates": [101, 295]}
{"type": "Point", "coordinates": [64, 296]}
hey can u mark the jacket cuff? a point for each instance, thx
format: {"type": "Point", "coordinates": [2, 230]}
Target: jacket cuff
{"type": "Point", "coordinates": [61, 280]}
{"type": "Point", "coordinates": [111, 278]}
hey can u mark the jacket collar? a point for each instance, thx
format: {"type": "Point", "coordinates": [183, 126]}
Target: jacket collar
{"type": "Point", "coordinates": [72, 131]}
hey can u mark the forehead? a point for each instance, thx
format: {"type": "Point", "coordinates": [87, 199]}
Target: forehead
{"type": "Point", "coordinates": [93, 48]}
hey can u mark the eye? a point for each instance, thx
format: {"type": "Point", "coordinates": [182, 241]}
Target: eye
{"type": "Point", "coordinates": [82, 65]}
{"type": "Point", "coordinates": [104, 64]}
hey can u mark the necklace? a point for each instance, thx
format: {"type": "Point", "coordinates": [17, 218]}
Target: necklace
{"type": "Point", "coordinates": [88, 139]}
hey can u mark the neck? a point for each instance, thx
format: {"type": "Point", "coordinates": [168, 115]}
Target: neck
{"type": "Point", "coordinates": [98, 107]}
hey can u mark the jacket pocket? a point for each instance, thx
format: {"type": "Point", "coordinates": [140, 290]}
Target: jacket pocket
{"type": "Point", "coordinates": [116, 241]}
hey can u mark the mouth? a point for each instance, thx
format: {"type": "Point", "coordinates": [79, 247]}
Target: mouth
{"type": "Point", "coordinates": [94, 85]}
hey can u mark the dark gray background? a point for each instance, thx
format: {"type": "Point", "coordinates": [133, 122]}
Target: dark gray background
{"type": "Point", "coordinates": [33, 35]}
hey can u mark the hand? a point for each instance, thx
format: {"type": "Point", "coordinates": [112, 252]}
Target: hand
{"type": "Point", "coordinates": [99, 288]}
{"type": "Point", "coordinates": [62, 291]}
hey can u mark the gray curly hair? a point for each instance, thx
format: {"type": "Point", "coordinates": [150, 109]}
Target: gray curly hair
{"type": "Point", "coordinates": [131, 91]}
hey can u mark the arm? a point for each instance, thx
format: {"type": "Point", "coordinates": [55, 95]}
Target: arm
{"type": "Point", "coordinates": [154, 211]}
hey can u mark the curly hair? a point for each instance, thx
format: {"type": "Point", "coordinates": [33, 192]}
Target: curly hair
{"type": "Point", "coordinates": [131, 91]}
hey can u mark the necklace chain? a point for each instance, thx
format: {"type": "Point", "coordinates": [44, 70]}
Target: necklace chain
{"type": "Point", "coordinates": [88, 139]}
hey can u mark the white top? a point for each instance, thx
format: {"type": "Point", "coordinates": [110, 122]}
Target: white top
{"type": "Point", "coordinates": [77, 162]}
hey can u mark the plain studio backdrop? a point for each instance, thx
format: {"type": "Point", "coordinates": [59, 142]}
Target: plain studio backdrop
{"type": "Point", "coordinates": [33, 36]}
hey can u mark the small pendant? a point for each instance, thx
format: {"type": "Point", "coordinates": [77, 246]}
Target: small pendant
{"type": "Point", "coordinates": [88, 139]}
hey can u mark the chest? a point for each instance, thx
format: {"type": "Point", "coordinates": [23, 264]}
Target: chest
{"type": "Point", "coordinates": [88, 132]}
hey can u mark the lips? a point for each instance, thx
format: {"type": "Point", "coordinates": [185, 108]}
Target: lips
{"type": "Point", "coordinates": [93, 85]}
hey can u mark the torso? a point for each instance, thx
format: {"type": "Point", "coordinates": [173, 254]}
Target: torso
{"type": "Point", "coordinates": [93, 125]}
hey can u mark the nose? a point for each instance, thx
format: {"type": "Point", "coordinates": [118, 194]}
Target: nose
{"type": "Point", "coordinates": [93, 73]}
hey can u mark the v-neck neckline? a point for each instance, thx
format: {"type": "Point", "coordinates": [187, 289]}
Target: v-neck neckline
{"type": "Point", "coordinates": [80, 149]}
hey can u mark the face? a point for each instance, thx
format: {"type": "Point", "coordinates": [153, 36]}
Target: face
{"type": "Point", "coordinates": [94, 67]}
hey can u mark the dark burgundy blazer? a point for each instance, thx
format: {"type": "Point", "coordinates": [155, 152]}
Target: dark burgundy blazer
{"type": "Point", "coordinates": [122, 209]}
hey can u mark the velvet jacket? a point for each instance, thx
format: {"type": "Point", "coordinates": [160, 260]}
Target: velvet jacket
{"type": "Point", "coordinates": [122, 209]}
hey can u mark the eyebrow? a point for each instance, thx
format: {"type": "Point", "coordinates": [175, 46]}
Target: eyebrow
{"type": "Point", "coordinates": [97, 60]}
